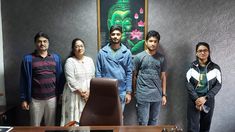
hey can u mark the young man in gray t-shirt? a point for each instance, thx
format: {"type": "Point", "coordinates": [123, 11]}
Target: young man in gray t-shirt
{"type": "Point", "coordinates": [149, 80]}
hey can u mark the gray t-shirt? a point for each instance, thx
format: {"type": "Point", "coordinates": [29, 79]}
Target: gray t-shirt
{"type": "Point", "coordinates": [149, 68]}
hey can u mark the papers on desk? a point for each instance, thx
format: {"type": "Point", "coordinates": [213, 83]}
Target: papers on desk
{"type": "Point", "coordinates": [5, 128]}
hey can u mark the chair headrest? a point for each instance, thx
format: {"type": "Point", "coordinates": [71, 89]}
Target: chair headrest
{"type": "Point", "coordinates": [104, 86]}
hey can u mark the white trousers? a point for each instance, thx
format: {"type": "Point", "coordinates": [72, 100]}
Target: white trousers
{"type": "Point", "coordinates": [40, 108]}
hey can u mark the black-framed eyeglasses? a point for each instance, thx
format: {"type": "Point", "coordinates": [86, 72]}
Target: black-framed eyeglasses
{"type": "Point", "coordinates": [204, 51]}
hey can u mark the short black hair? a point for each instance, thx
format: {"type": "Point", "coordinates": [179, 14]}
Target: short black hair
{"type": "Point", "coordinates": [40, 34]}
{"type": "Point", "coordinates": [115, 27]}
{"type": "Point", "coordinates": [153, 33]}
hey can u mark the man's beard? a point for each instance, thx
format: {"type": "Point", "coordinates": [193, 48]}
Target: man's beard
{"type": "Point", "coordinates": [151, 49]}
{"type": "Point", "coordinates": [43, 48]}
{"type": "Point", "coordinates": [116, 41]}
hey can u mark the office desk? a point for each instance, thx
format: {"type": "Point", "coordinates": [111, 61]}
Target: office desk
{"type": "Point", "coordinates": [88, 128]}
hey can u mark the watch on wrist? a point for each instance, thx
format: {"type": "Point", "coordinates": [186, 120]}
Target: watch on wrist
{"type": "Point", "coordinates": [164, 95]}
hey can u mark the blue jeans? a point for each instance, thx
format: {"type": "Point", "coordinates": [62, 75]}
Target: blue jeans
{"type": "Point", "coordinates": [147, 112]}
{"type": "Point", "coordinates": [123, 100]}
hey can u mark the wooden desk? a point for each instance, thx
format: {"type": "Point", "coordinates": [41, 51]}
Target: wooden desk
{"type": "Point", "coordinates": [87, 128]}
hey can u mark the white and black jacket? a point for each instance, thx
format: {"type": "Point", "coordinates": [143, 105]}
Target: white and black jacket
{"type": "Point", "coordinates": [214, 79]}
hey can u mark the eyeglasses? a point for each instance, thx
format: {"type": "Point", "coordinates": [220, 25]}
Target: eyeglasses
{"type": "Point", "coordinates": [204, 51]}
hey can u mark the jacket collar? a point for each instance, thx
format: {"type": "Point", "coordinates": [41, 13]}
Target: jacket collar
{"type": "Point", "coordinates": [123, 48]}
{"type": "Point", "coordinates": [196, 63]}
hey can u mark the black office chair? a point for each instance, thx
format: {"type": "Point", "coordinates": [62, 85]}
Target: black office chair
{"type": "Point", "coordinates": [103, 106]}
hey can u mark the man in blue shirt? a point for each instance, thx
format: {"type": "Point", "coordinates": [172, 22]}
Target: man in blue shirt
{"type": "Point", "coordinates": [114, 61]}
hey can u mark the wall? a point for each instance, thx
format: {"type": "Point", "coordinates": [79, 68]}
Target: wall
{"type": "Point", "coordinates": [181, 23]}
